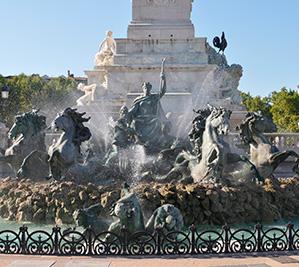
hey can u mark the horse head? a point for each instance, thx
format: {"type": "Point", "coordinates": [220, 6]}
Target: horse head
{"type": "Point", "coordinates": [72, 121]}
{"type": "Point", "coordinates": [219, 120]}
{"type": "Point", "coordinates": [27, 125]}
{"type": "Point", "coordinates": [63, 122]}
{"type": "Point", "coordinates": [253, 125]}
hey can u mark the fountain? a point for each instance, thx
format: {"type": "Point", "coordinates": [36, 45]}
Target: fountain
{"type": "Point", "coordinates": [157, 161]}
{"type": "Point", "coordinates": [195, 180]}
{"type": "Point", "coordinates": [200, 166]}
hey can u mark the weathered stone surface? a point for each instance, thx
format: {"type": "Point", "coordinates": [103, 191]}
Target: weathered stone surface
{"type": "Point", "coordinates": [199, 203]}
{"type": "Point", "coordinates": [161, 19]}
{"type": "Point", "coordinates": [107, 199]}
{"type": "Point", "coordinates": [196, 73]}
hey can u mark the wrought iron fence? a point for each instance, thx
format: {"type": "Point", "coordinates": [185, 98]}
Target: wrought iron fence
{"type": "Point", "coordinates": [190, 242]}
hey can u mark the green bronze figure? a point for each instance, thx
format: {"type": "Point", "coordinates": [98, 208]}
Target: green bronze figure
{"type": "Point", "coordinates": [147, 117]}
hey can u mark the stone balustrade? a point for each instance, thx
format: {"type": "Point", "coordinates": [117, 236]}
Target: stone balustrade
{"type": "Point", "coordinates": [283, 141]}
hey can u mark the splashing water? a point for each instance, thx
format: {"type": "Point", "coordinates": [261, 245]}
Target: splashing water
{"type": "Point", "coordinates": [139, 159]}
{"type": "Point", "coordinates": [200, 99]}
{"type": "Point", "coordinates": [132, 161]}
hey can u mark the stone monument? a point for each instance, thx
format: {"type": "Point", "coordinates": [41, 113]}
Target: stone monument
{"type": "Point", "coordinates": [196, 74]}
{"type": "Point", "coordinates": [106, 51]}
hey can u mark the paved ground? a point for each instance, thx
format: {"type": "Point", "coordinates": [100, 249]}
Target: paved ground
{"type": "Point", "coordinates": [233, 261]}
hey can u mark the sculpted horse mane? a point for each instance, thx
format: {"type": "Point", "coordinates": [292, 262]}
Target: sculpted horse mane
{"type": "Point", "coordinates": [249, 129]}
{"type": "Point", "coordinates": [66, 151]}
{"type": "Point", "coordinates": [27, 125]}
{"type": "Point", "coordinates": [82, 133]}
{"type": "Point", "coordinates": [265, 156]}
{"type": "Point", "coordinates": [217, 161]}
{"type": "Point", "coordinates": [26, 135]}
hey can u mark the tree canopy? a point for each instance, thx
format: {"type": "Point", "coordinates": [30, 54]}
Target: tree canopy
{"type": "Point", "coordinates": [28, 92]}
{"type": "Point", "coordinates": [257, 104]}
{"type": "Point", "coordinates": [285, 109]}
{"type": "Point", "coordinates": [282, 106]}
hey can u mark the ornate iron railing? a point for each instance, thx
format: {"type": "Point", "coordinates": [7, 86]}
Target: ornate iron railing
{"type": "Point", "coordinates": [190, 242]}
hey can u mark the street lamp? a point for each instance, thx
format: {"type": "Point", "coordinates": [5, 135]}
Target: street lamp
{"type": "Point", "coordinates": [5, 92]}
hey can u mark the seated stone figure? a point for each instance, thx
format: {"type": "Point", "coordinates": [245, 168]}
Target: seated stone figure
{"type": "Point", "coordinates": [123, 136]}
{"type": "Point", "coordinates": [147, 117]}
{"type": "Point", "coordinates": [106, 51]}
{"type": "Point", "coordinates": [167, 217]}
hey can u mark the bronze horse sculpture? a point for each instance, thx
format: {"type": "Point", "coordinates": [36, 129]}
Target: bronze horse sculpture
{"type": "Point", "coordinates": [263, 154]}
{"type": "Point", "coordinates": [211, 159]}
{"type": "Point", "coordinates": [217, 162]}
{"type": "Point", "coordinates": [65, 158]}
{"type": "Point", "coordinates": [66, 151]}
{"type": "Point", "coordinates": [27, 139]}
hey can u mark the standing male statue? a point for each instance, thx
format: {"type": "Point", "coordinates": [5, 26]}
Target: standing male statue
{"type": "Point", "coordinates": [147, 117]}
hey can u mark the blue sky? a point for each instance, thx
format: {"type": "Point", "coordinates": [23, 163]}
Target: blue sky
{"type": "Point", "coordinates": [52, 36]}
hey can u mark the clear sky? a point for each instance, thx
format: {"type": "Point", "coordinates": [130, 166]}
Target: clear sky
{"type": "Point", "coordinates": [52, 36]}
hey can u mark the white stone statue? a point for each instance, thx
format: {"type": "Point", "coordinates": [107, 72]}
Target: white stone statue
{"type": "Point", "coordinates": [88, 97]}
{"type": "Point", "coordinates": [107, 51]}
{"type": "Point", "coordinates": [3, 136]}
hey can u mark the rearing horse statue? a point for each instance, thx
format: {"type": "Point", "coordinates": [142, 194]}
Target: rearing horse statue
{"type": "Point", "coordinates": [27, 138]}
{"type": "Point", "coordinates": [65, 152]}
{"type": "Point", "coordinates": [263, 154]}
{"type": "Point", "coordinates": [217, 162]}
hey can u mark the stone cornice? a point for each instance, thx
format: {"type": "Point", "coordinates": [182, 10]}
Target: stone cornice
{"type": "Point", "coordinates": [145, 68]}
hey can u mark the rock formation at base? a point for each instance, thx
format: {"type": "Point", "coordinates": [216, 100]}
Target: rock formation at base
{"type": "Point", "coordinates": [24, 201]}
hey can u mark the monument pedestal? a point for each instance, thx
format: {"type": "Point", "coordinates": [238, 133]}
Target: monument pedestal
{"type": "Point", "coordinates": [161, 19]}
{"type": "Point", "coordinates": [196, 75]}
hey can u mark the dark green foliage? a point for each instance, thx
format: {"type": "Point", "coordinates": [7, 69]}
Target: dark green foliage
{"type": "Point", "coordinates": [282, 106]}
{"type": "Point", "coordinates": [27, 92]}
{"type": "Point", "coordinates": [257, 104]}
{"type": "Point", "coordinates": [285, 109]}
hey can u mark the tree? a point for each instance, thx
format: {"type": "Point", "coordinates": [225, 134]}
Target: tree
{"type": "Point", "coordinates": [257, 104]}
{"type": "Point", "coordinates": [28, 92]}
{"type": "Point", "coordinates": [285, 109]}
{"type": "Point", "coordinates": [282, 106]}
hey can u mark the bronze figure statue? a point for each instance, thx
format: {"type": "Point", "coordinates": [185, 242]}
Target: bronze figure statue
{"type": "Point", "coordinates": [147, 117]}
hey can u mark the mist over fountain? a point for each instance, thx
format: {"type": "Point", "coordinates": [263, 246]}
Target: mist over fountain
{"type": "Point", "coordinates": [145, 146]}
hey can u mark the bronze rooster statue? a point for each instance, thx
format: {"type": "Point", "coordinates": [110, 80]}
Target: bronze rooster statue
{"type": "Point", "coordinates": [221, 44]}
